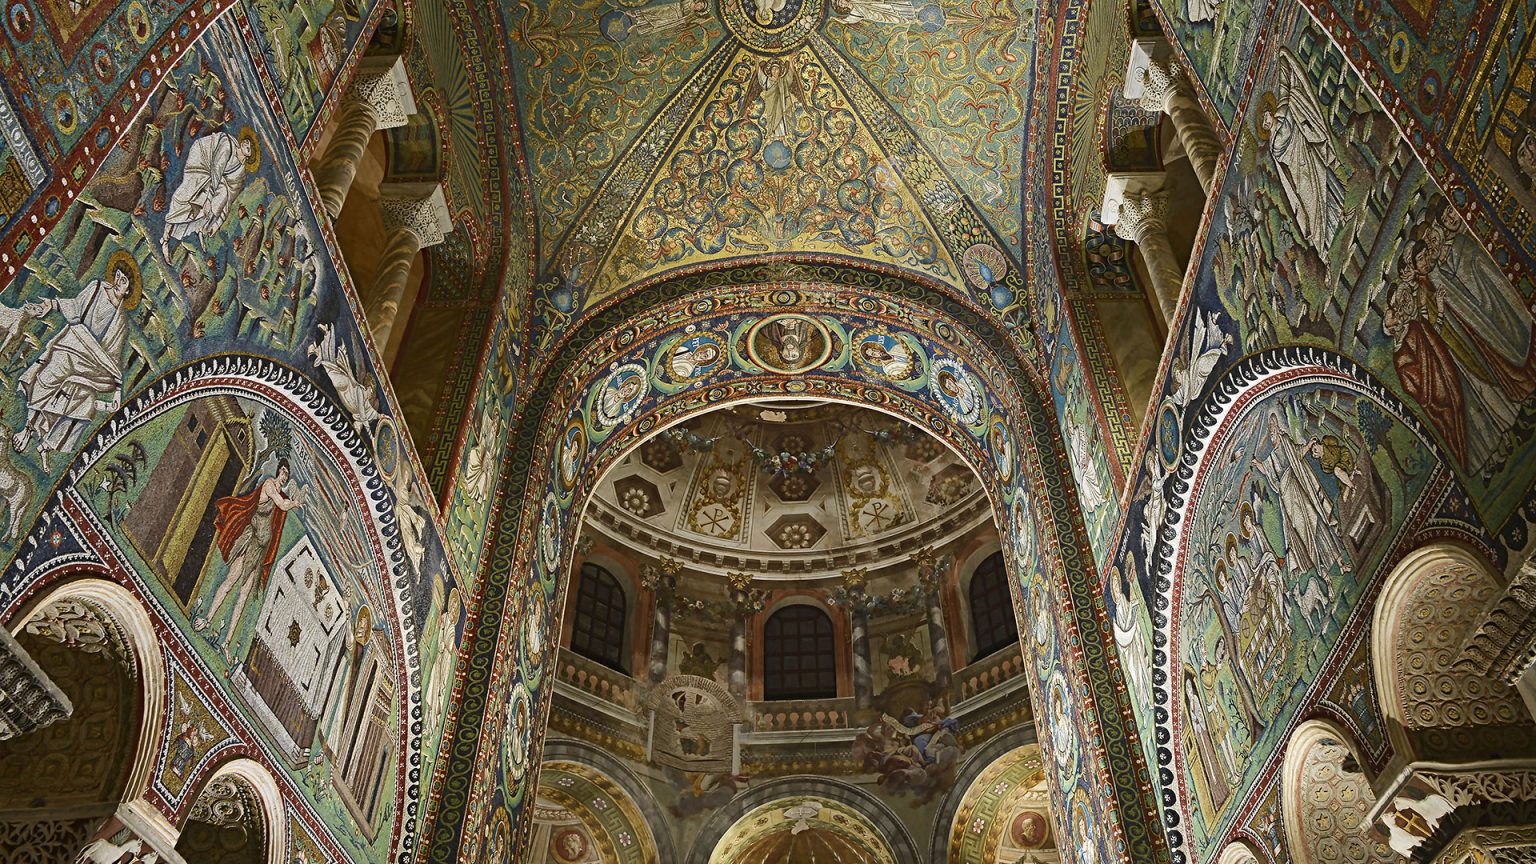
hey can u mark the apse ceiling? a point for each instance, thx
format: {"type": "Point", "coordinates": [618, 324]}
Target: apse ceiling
{"type": "Point", "coordinates": [796, 489]}
{"type": "Point", "coordinates": [679, 132]}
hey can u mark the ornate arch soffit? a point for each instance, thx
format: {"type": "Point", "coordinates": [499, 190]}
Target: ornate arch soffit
{"type": "Point", "coordinates": [1190, 445]}
{"type": "Point", "coordinates": [612, 388]}
{"type": "Point", "coordinates": [271, 814]}
{"type": "Point", "coordinates": [100, 593]}
{"type": "Point", "coordinates": [70, 537]}
{"type": "Point", "coordinates": [975, 763]}
{"type": "Point", "coordinates": [1010, 331]}
{"type": "Point", "coordinates": [582, 753]}
{"type": "Point", "coordinates": [856, 799]}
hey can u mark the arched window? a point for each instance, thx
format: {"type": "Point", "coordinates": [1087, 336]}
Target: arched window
{"type": "Point", "coordinates": [601, 611]}
{"type": "Point", "coordinates": [799, 661]}
{"type": "Point", "coordinates": [992, 621]}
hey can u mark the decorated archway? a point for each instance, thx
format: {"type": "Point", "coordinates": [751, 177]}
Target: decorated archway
{"type": "Point", "coordinates": [654, 361]}
{"type": "Point", "coordinates": [1308, 453]}
{"type": "Point", "coordinates": [274, 586]}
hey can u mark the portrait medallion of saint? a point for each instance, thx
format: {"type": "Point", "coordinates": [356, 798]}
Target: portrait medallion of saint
{"type": "Point", "coordinates": [694, 357]}
{"type": "Point", "coordinates": [573, 446]}
{"type": "Point", "coordinates": [620, 395]}
{"type": "Point", "coordinates": [1063, 725]}
{"type": "Point", "coordinates": [1030, 830]}
{"type": "Point", "coordinates": [885, 355]}
{"type": "Point", "coordinates": [789, 344]}
{"type": "Point", "coordinates": [958, 391]}
{"type": "Point", "coordinates": [1002, 448]}
{"type": "Point", "coordinates": [549, 532]}
{"type": "Point", "coordinates": [534, 624]}
{"type": "Point", "coordinates": [571, 846]}
{"type": "Point", "coordinates": [518, 731]}
{"type": "Point", "coordinates": [1023, 532]}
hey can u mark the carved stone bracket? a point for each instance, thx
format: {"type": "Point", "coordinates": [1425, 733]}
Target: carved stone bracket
{"type": "Point", "coordinates": [1503, 645]}
{"type": "Point", "coordinates": [1491, 846]}
{"type": "Point", "coordinates": [28, 699]}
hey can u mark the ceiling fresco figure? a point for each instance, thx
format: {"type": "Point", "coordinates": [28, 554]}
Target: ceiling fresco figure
{"type": "Point", "coordinates": [736, 431]}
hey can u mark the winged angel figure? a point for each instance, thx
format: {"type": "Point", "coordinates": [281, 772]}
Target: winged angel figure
{"type": "Point", "coordinates": [776, 80]}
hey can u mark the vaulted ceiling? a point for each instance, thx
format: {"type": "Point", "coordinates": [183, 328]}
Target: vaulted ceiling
{"type": "Point", "coordinates": [688, 131]}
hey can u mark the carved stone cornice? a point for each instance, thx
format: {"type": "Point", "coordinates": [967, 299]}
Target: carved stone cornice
{"type": "Point", "coordinates": [28, 699]}
{"type": "Point", "coordinates": [1502, 845]}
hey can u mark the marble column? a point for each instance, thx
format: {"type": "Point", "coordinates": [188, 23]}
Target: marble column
{"type": "Point", "coordinates": [379, 97]}
{"type": "Point", "coordinates": [661, 581]}
{"type": "Point", "coordinates": [743, 601]}
{"type": "Point", "coordinates": [854, 582]}
{"type": "Point", "coordinates": [930, 577]}
{"type": "Point", "coordinates": [415, 218]}
{"type": "Point", "coordinates": [29, 701]}
{"type": "Point", "coordinates": [1158, 83]}
{"type": "Point", "coordinates": [1137, 206]}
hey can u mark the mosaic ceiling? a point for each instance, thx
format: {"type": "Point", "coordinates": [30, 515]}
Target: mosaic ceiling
{"type": "Point", "coordinates": [685, 131]}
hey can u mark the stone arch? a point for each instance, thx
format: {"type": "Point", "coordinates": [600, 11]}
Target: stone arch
{"type": "Point", "coordinates": [608, 389]}
{"type": "Point", "coordinates": [975, 763]}
{"type": "Point", "coordinates": [86, 615]}
{"type": "Point", "coordinates": [1327, 805]}
{"type": "Point", "coordinates": [999, 814]}
{"type": "Point", "coordinates": [240, 797]}
{"type": "Point", "coordinates": [1435, 708]}
{"type": "Point", "coordinates": [1238, 852]}
{"type": "Point", "coordinates": [1250, 597]}
{"type": "Point", "coordinates": [572, 750]}
{"type": "Point", "coordinates": [871, 808]}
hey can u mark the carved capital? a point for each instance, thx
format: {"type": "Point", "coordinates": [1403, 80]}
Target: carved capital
{"type": "Point", "coordinates": [1442, 799]}
{"type": "Point", "coordinates": [1142, 215]}
{"type": "Point", "coordinates": [1162, 82]}
{"type": "Point", "coordinates": [28, 699]}
{"type": "Point", "coordinates": [381, 87]}
{"type": "Point", "coordinates": [740, 582]}
{"type": "Point", "coordinates": [420, 209]}
{"type": "Point", "coordinates": [661, 578]}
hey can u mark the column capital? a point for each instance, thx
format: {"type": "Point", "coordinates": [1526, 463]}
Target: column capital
{"type": "Point", "coordinates": [1135, 204]}
{"type": "Point", "coordinates": [381, 87]}
{"type": "Point", "coordinates": [662, 577]}
{"type": "Point", "coordinates": [740, 583]}
{"type": "Point", "coordinates": [420, 208]}
{"type": "Point", "coordinates": [1162, 81]}
{"type": "Point", "coordinates": [28, 699]}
